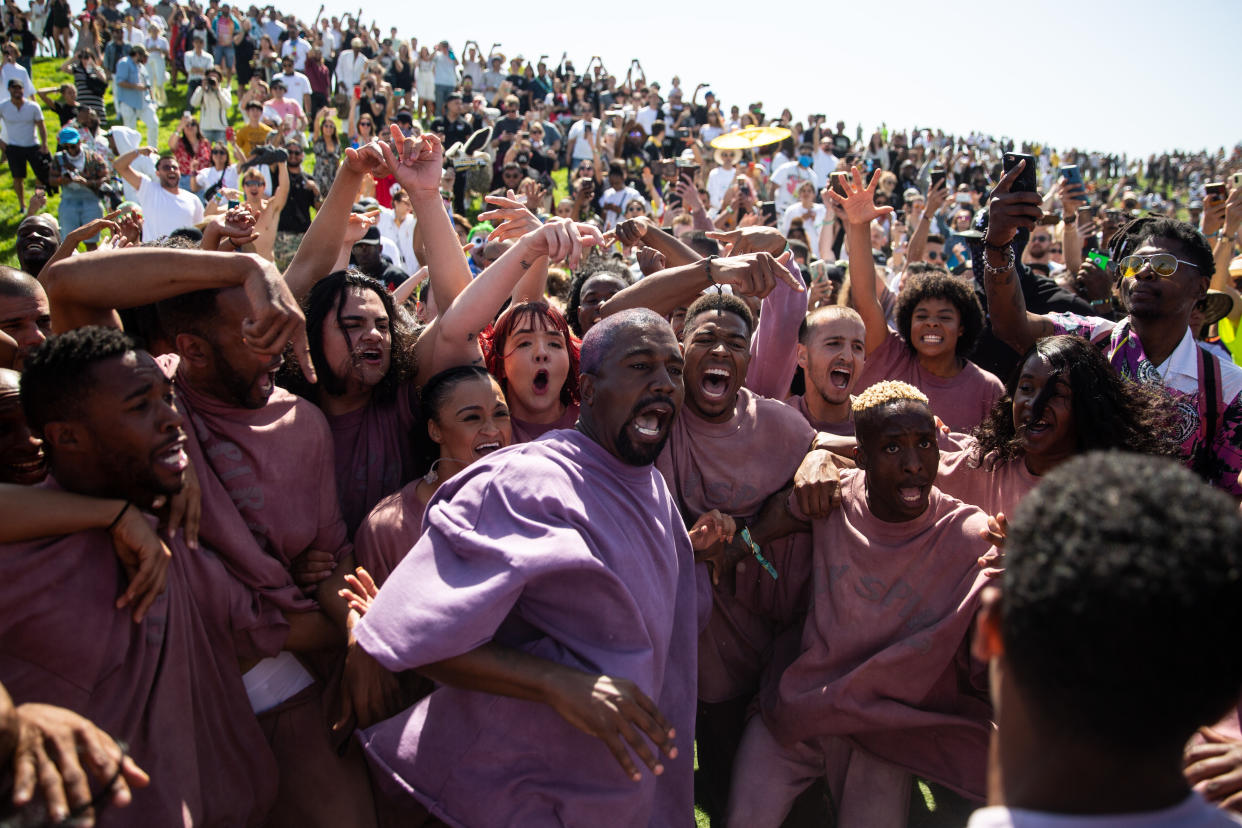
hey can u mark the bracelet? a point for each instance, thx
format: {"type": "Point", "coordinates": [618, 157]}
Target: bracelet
{"type": "Point", "coordinates": [988, 269]}
{"type": "Point", "coordinates": [119, 515]}
{"type": "Point", "coordinates": [707, 267]}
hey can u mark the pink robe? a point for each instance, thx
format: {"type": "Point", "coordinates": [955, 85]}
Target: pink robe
{"type": "Point", "coordinates": [885, 650]}
{"type": "Point", "coordinates": [170, 686]}
{"type": "Point", "coordinates": [559, 549]}
{"type": "Point", "coordinates": [373, 451]}
{"type": "Point", "coordinates": [734, 466]}
{"type": "Point", "coordinates": [524, 432]}
{"type": "Point", "coordinates": [390, 532]}
{"type": "Point", "coordinates": [962, 402]}
{"type": "Point", "coordinates": [994, 491]}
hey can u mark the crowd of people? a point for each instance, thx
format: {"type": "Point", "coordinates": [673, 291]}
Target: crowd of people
{"type": "Point", "coordinates": [428, 438]}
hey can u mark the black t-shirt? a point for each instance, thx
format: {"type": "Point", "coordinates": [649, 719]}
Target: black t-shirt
{"type": "Point", "coordinates": [453, 131]}
{"type": "Point", "coordinates": [841, 144]}
{"type": "Point", "coordinates": [296, 217]}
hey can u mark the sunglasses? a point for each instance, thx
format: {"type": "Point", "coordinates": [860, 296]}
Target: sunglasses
{"type": "Point", "coordinates": [218, 152]}
{"type": "Point", "coordinates": [1162, 264]}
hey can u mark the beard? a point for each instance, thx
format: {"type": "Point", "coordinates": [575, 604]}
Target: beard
{"type": "Point", "coordinates": [646, 453]}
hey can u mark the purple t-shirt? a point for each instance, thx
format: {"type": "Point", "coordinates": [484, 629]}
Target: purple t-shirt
{"type": "Point", "coordinates": [774, 347]}
{"type": "Point", "coordinates": [885, 649]}
{"type": "Point", "coordinates": [389, 532]}
{"type": "Point", "coordinates": [845, 428]}
{"type": "Point", "coordinates": [373, 451]}
{"type": "Point", "coordinates": [559, 549]}
{"type": "Point", "coordinates": [961, 401]}
{"type": "Point", "coordinates": [966, 477]}
{"type": "Point", "coordinates": [169, 686]}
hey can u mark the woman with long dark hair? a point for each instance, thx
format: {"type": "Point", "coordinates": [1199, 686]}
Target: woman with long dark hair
{"type": "Point", "coordinates": [1064, 399]}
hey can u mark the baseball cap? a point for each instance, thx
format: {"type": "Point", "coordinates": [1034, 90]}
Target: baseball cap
{"type": "Point", "coordinates": [68, 135]}
{"type": "Point", "coordinates": [372, 236]}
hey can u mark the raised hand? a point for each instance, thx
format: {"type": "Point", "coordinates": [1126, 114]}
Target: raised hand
{"type": "Point", "coordinates": [515, 219]}
{"type": "Point", "coordinates": [360, 592]}
{"type": "Point", "coordinates": [632, 231]}
{"type": "Point", "coordinates": [859, 201]}
{"type": "Point", "coordinates": [561, 239]}
{"type": "Point", "coordinates": [754, 274]}
{"type": "Point", "coordinates": [750, 240]}
{"type": "Point", "coordinates": [650, 260]}
{"type": "Point", "coordinates": [617, 713]}
{"type": "Point", "coordinates": [357, 225]}
{"type": "Point", "coordinates": [417, 162]}
{"type": "Point", "coordinates": [368, 158]}
{"type": "Point", "coordinates": [1010, 212]}
{"type": "Point", "coordinates": [276, 318]}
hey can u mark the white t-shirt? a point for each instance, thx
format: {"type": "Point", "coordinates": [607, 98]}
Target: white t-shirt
{"type": "Point", "coordinates": [785, 182]}
{"type": "Point", "coordinates": [208, 176]}
{"type": "Point", "coordinates": [1192, 812]}
{"type": "Point", "coordinates": [718, 181]}
{"type": "Point", "coordinates": [579, 146]}
{"type": "Point", "coordinates": [19, 124]}
{"type": "Point", "coordinates": [197, 65]}
{"type": "Point", "coordinates": [621, 198]}
{"type": "Point", "coordinates": [811, 225]}
{"type": "Point", "coordinates": [164, 212]}
{"type": "Point", "coordinates": [648, 116]}
{"type": "Point", "coordinates": [402, 235]}
{"type": "Point", "coordinates": [10, 71]}
{"type": "Point", "coordinates": [824, 164]}
{"type": "Point", "coordinates": [296, 85]}
{"type": "Point", "coordinates": [298, 49]}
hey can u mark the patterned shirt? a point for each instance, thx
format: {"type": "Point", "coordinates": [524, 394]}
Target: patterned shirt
{"type": "Point", "coordinates": [1180, 375]}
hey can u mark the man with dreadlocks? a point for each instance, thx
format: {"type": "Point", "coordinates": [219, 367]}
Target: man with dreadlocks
{"type": "Point", "coordinates": [1165, 267]}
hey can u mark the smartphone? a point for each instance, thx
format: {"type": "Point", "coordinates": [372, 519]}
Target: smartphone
{"type": "Point", "coordinates": [1215, 191]}
{"type": "Point", "coordinates": [937, 178]}
{"type": "Point", "coordinates": [1236, 178]}
{"type": "Point", "coordinates": [688, 170]}
{"type": "Point", "coordinates": [837, 182]}
{"type": "Point", "coordinates": [1101, 261]}
{"type": "Point", "coordinates": [1074, 178]}
{"type": "Point", "coordinates": [767, 211]}
{"type": "Point", "coordinates": [233, 203]}
{"type": "Point", "coordinates": [357, 92]}
{"type": "Point", "coordinates": [229, 134]}
{"type": "Point", "coordinates": [1025, 182]}
{"type": "Point", "coordinates": [1087, 212]}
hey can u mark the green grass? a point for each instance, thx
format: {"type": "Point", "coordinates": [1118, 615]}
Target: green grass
{"type": "Point", "coordinates": [45, 75]}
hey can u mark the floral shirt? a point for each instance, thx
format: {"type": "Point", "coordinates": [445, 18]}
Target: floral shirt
{"type": "Point", "coordinates": [1218, 457]}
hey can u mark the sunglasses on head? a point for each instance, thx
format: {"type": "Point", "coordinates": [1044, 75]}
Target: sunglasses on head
{"type": "Point", "coordinates": [1162, 264]}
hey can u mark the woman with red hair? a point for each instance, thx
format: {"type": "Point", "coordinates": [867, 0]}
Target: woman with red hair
{"type": "Point", "coordinates": [532, 354]}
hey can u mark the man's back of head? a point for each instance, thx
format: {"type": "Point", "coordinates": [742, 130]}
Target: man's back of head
{"type": "Point", "coordinates": [1123, 573]}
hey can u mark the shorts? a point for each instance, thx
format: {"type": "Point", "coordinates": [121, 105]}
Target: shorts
{"type": "Point", "coordinates": [284, 247]}
{"type": "Point", "coordinates": [226, 57]}
{"type": "Point", "coordinates": [19, 157]}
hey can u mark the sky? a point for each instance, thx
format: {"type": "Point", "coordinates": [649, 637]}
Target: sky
{"type": "Point", "coordinates": [1125, 76]}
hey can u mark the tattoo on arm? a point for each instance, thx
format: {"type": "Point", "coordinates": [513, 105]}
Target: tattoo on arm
{"type": "Point", "coordinates": [525, 264]}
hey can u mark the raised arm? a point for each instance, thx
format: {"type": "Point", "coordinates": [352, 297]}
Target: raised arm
{"type": "Point", "coordinates": [918, 239]}
{"type": "Point", "coordinates": [1008, 213]}
{"type": "Point", "coordinates": [753, 274]}
{"type": "Point", "coordinates": [860, 210]}
{"type": "Point", "coordinates": [277, 202]}
{"type": "Point", "coordinates": [643, 230]}
{"type": "Point", "coordinates": [452, 337]}
{"type": "Point", "coordinates": [123, 168]}
{"type": "Point", "coordinates": [86, 290]}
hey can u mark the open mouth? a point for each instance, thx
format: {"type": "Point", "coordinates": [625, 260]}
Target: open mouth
{"type": "Point", "coordinates": [371, 356]}
{"type": "Point", "coordinates": [715, 383]}
{"type": "Point", "coordinates": [911, 495]}
{"type": "Point", "coordinates": [540, 383]}
{"type": "Point", "coordinates": [173, 456]}
{"type": "Point", "coordinates": [1040, 426]}
{"type": "Point", "coordinates": [840, 378]}
{"type": "Point", "coordinates": [484, 449]}
{"type": "Point", "coordinates": [933, 339]}
{"type": "Point", "coordinates": [33, 470]}
{"type": "Point", "coordinates": [651, 421]}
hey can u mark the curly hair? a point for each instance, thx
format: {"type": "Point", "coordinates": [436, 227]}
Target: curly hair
{"type": "Point", "coordinates": [593, 267]}
{"type": "Point", "coordinates": [940, 285]}
{"type": "Point", "coordinates": [1109, 413]}
{"type": "Point", "coordinates": [1116, 566]}
{"type": "Point", "coordinates": [720, 302]}
{"type": "Point", "coordinates": [494, 338]}
{"type": "Point", "coordinates": [328, 297]}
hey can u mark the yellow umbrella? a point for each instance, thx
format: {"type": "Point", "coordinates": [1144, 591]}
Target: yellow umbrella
{"type": "Point", "coordinates": [750, 137]}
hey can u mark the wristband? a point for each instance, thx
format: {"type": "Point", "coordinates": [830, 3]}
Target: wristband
{"type": "Point", "coordinates": [707, 267]}
{"type": "Point", "coordinates": [988, 269]}
{"type": "Point", "coordinates": [119, 515]}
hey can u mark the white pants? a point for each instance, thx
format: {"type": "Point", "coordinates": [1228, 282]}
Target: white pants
{"type": "Point", "coordinates": [131, 116]}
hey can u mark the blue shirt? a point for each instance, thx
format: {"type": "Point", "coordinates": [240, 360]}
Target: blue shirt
{"type": "Point", "coordinates": [130, 71]}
